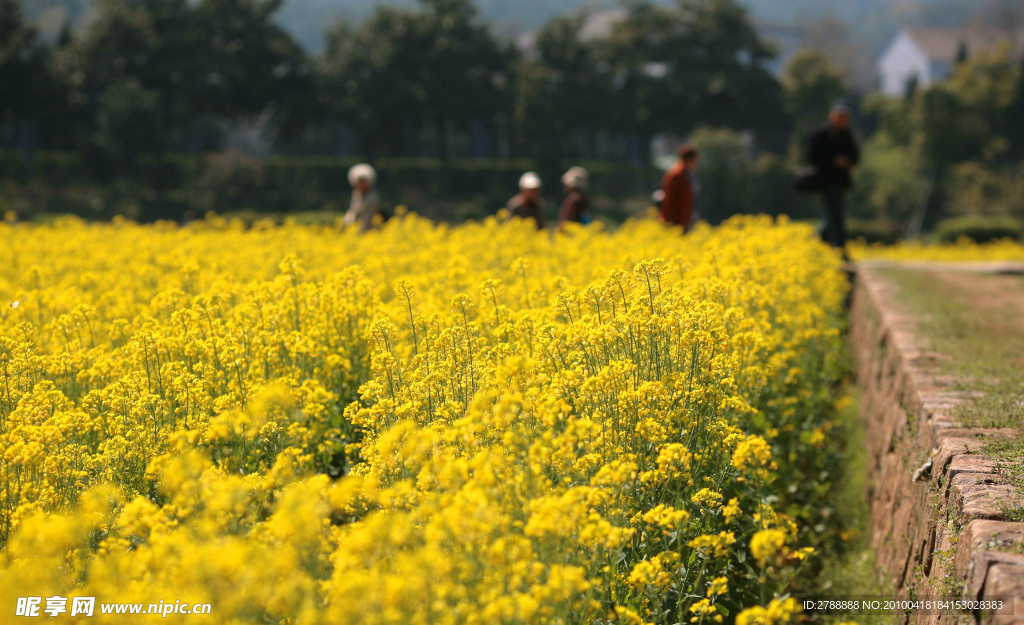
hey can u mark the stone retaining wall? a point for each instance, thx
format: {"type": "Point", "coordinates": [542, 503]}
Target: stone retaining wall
{"type": "Point", "coordinates": [937, 503]}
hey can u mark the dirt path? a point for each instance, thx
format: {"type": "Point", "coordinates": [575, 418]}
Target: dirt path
{"type": "Point", "coordinates": [974, 316]}
{"type": "Point", "coordinates": [999, 298]}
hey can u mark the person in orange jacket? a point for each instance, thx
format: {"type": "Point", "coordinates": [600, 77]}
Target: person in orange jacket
{"type": "Point", "coordinates": [681, 188]}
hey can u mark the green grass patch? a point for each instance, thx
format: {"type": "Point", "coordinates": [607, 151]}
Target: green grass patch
{"type": "Point", "coordinates": [849, 568]}
{"type": "Point", "coordinates": [975, 320]}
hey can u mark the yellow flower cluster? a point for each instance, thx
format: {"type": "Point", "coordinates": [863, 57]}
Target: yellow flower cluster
{"type": "Point", "coordinates": [423, 424]}
{"type": "Point", "coordinates": [778, 611]}
{"type": "Point", "coordinates": [754, 455]}
{"type": "Point", "coordinates": [766, 543]}
{"type": "Point", "coordinates": [963, 250]}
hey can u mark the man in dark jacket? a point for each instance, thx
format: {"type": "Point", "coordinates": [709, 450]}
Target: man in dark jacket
{"type": "Point", "coordinates": [833, 152]}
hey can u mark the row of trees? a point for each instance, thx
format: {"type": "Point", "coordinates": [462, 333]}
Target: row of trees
{"type": "Point", "coordinates": [150, 78]}
{"type": "Point", "coordinates": [955, 148]}
{"type": "Point", "coordinates": [146, 75]}
{"type": "Point", "coordinates": [157, 76]}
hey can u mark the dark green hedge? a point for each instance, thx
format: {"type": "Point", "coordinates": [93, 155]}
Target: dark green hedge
{"type": "Point", "coordinates": [173, 184]}
{"type": "Point", "coordinates": [979, 229]}
{"type": "Point", "coordinates": [874, 231]}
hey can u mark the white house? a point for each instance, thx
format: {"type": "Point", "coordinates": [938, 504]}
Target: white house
{"type": "Point", "coordinates": [927, 55]}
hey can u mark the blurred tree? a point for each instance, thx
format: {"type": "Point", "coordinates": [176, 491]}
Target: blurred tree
{"type": "Point", "coordinates": [562, 92]}
{"type": "Point", "coordinates": [952, 145]}
{"type": "Point", "coordinates": [128, 123]}
{"type": "Point", "coordinates": [694, 62]}
{"type": "Point", "coordinates": [33, 106]}
{"type": "Point", "coordinates": [149, 40]}
{"type": "Point", "coordinates": [726, 174]}
{"type": "Point", "coordinates": [1015, 113]}
{"type": "Point", "coordinates": [465, 71]}
{"type": "Point", "coordinates": [976, 189]}
{"type": "Point", "coordinates": [377, 64]}
{"type": "Point", "coordinates": [830, 37]}
{"type": "Point", "coordinates": [221, 58]}
{"type": "Point", "coordinates": [987, 86]}
{"type": "Point", "coordinates": [970, 116]}
{"type": "Point", "coordinates": [22, 64]}
{"type": "Point", "coordinates": [402, 70]}
{"type": "Point", "coordinates": [812, 83]}
{"type": "Point", "coordinates": [949, 131]}
{"type": "Point", "coordinates": [894, 117]}
{"type": "Point", "coordinates": [961, 52]}
{"type": "Point", "coordinates": [230, 181]}
{"type": "Point", "coordinates": [890, 181]}
{"type": "Point", "coordinates": [249, 63]}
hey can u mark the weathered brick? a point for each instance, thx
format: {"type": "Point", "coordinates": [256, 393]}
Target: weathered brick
{"type": "Point", "coordinates": [908, 411]}
{"type": "Point", "coordinates": [983, 534]}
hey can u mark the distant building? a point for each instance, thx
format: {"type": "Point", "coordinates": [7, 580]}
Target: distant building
{"type": "Point", "coordinates": [925, 55]}
{"type": "Point", "coordinates": [597, 25]}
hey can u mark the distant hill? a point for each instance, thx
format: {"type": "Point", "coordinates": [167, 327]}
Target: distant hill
{"type": "Point", "coordinates": [872, 23]}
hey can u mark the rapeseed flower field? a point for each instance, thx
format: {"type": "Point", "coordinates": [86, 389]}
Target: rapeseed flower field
{"type": "Point", "coordinates": [962, 251]}
{"type": "Point", "coordinates": [422, 424]}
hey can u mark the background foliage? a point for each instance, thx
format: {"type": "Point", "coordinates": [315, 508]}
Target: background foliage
{"type": "Point", "coordinates": [148, 85]}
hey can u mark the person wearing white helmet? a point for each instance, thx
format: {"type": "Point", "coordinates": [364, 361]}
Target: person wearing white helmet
{"type": "Point", "coordinates": [576, 206]}
{"type": "Point", "coordinates": [527, 204]}
{"type": "Point", "coordinates": [365, 204]}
